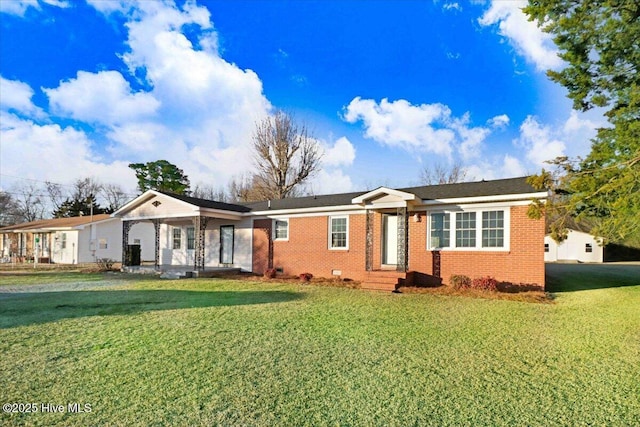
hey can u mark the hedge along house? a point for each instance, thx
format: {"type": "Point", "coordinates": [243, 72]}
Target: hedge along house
{"type": "Point", "coordinates": [75, 240]}
{"type": "Point", "coordinates": [384, 237]}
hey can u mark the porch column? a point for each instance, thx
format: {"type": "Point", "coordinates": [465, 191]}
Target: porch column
{"type": "Point", "coordinates": [200, 225]}
{"type": "Point", "coordinates": [156, 230]}
{"type": "Point", "coordinates": [403, 240]}
{"type": "Point", "coordinates": [126, 226]}
{"type": "Point", "coordinates": [369, 241]}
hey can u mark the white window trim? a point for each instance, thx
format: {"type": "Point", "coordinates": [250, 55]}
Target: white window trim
{"type": "Point", "coordinates": [478, 247]}
{"type": "Point", "coordinates": [280, 239]}
{"type": "Point", "coordinates": [331, 218]}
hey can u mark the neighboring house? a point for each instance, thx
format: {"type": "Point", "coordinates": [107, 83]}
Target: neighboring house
{"type": "Point", "coordinates": [419, 235]}
{"type": "Point", "coordinates": [579, 246]}
{"type": "Point", "coordinates": [72, 240]}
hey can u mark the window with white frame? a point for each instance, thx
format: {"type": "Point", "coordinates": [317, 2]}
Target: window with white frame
{"type": "Point", "coordinates": [338, 232]}
{"type": "Point", "coordinates": [493, 229]}
{"type": "Point", "coordinates": [473, 229]}
{"type": "Point", "coordinates": [177, 238]}
{"type": "Point", "coordinates": [440, 230]}
{"type": "Point", "coordinates": [191, 238]}
{"type": "Point", "coordinates": [63, 240]}
{"type": "Point", "coordinates": [465, 229]}
{"type": "Point", "coordinates": [281, 229]}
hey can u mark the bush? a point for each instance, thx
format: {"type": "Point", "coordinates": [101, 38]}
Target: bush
{"type": "Point", "coordinates": [305, 277]}
{"type": "Point", "coordinates": [105, 264]}
{"type": "Point", "coordinates": [486, 283]}
{"type": "Point", "coordinates": [459, 281]}
{"type": "Point", "coordinates": [270, 273]}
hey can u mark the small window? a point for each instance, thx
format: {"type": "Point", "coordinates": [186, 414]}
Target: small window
{"type": "Point", "coordinates": [338, 232]}
{"type": "Point", "coordinates": [102, 243]}
{"type": "Point", "coordinates": [136, 241]}
{"type": "Point", "coordinates": [63, 241]}
{"type": "Point", "coordinates": [546, 247]}
{"type": "Point", "coordinates": [191, 238]}
{"type": "Point", "coordinates": [177, 238]}
{"type": "Point", "coordinates": [440, 230]}
{"type": "Point", "coordinates": [588, 248]}
{"type": "Point", "coordinates": [281, 229]}
{"type": "Point", "coordinates": [465, 229]}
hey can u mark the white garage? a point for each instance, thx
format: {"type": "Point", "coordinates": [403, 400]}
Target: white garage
{"type": "Point", "coordinates": [579, 247]}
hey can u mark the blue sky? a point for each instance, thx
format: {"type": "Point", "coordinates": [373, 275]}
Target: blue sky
{"type": "Point", "coordinates": [387, 88]}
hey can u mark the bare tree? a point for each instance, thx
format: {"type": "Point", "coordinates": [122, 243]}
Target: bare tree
{"type": "Point", "coordinates": [114, 196]}
{"type": "Point", "coordinates": [285, 156]}
{"type": "Point", "coordinates": [8, 209]}
{"type": "Point", "coordinates": [56, 194]}
{"type": "Point", "coordinates": [30, 202]}
{"type": "Point", "coordinates": [209, 192]}
{"type": "Point", "coordinates": [442, 174]}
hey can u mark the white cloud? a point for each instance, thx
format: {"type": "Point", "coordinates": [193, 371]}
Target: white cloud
{"type": "Point", "coordinates": [105, 97]}
{"type": "Point", "coordinates": [17, 96]}
{"type": "Point", "coordinates": [424, 128]}
{"type": "Point", "coordinates": [497, 167]}
{"type": "Point", "coordinates": [524, 35]}
{"type": "Point", "coordinates": [540, 142]}
{"type": "Point", "coordinates": [342, 153]}
{"type": "Point", "coordinates": [331, 181]}
{"type": "Point", "coordinates": [452, 6]}
{"type": "Point", "coordinates": [19, 7]}
{"type": "Point", "coordinates": [55, 153]}
{"type": "Point", "coordinates": [499, 121]}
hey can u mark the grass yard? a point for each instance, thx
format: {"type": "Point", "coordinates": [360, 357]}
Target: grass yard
{"type": "Point", "coordinates": [143, 351]}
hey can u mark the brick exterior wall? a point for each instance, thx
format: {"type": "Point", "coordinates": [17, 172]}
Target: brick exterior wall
{"type": "Point", "coordinates": [307, 251]}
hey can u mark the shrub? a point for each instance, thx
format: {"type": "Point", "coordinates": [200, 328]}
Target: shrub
{"type": "Point", "coordinates": [305, 277]}
{"type": "Point", "coordinates": [270, 273]}
{"type": "Point", "coordinates": [459, 281]}
{"type": "Point", "coordinates": [486, 283]}
{"type": "Point", "coordinates": [105, 264]}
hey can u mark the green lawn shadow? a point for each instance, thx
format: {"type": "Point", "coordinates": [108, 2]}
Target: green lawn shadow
{"type": "Point", "coordinates": [22, 308]}
{"type": "Point", "coordinates": [582, 277]}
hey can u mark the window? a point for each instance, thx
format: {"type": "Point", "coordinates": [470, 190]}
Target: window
{"type": "Point", "coordinates": [493, 229]}
{"type": "Point", "coordinates": [177, 238]}
{"type": "Point", "coordinates": [63, 241]}
{"type": "Point", "coordinates": [546, 247]}
{"type": "Point", "coordinates": [191, 238]}
{"type": "Point", "coordinates": [338, 232]}
{"type": "Point", "coordinates": [588, 247]}
{"type": "Point", "coordinates": [102, 243]}
{"type": "Point", "coordinates": [440, 230]}
{"type": "Point", "coordinates": [281, 229]}
{"type": "Point", "coordinates": [465, 229]}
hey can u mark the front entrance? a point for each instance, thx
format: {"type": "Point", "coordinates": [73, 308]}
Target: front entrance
{"type": "Point", "coordinates": [226, 244]}
{"type": "Point", "coordinates": [389, 239]}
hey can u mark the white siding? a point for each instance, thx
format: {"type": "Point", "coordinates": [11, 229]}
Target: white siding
{"type": "Point", "coordinates": [574, 248]}
{"type": "Point", "coordinates": [143, 233]}
{"type": "Point", "coordinates": [167, 207]}
{"type": "Point", "coordinates": [69, 253]}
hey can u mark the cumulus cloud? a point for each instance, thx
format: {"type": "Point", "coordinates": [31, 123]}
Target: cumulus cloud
{"type": "Point", "coordinates": [499, 121]}
{"type": "Point", "coordinates": [104, 97]}
{"type": "Point", "coordinates": [424, 128]}
{"type": "Point", "coordinates": [19, 7]}
{"type": "Point", "coordinates": [17, 95]}
{"type": "Point", "coordinates": [342, 153]}
{"type": "Point", "coordinates": [524, 35]}
{"type": "Point", "coordinates": [540, 142]}
{"type": "Point", "coordinates": [52, 152]}
{"type": "Point", "coordinates": [496, 167]}
{"type": "Point", "coordinates": [331, 181]}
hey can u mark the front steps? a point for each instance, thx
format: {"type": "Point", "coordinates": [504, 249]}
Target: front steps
{"type": "Point", "coordinates": [383, 280]}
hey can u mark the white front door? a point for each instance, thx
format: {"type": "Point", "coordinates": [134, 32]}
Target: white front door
{"type": "Point", "coordinates": [390, 240]}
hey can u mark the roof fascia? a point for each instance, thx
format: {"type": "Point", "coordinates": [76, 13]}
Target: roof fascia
{"type": "Point", "coordinates": [480, 199]}
{"type": "Point", "coordinates": [382, 191]}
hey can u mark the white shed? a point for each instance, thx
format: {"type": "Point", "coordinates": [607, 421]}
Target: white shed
{"type": "Point", "coordinates": [579, 246]}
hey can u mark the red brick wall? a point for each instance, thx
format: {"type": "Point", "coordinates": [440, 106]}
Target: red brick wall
{"type": "Point", "coordinates": [307, 251]}
{"type": "Point", "coordinates": [523, 263]}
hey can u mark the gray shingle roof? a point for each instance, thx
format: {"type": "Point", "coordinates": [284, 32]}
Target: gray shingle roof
{"type": "Point", "coordinates": [429, 192]}
{"type": "Point", "coordinates": [210, 204]}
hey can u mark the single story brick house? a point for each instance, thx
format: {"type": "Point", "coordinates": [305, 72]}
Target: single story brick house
{"type": "Point", "coordinates": [419, 235]}
{"type": "Point", "coordinates": [74, 240]}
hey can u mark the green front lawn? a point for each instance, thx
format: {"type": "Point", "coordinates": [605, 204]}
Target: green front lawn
{"type": "Point", "coordinates": [203, 352]}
